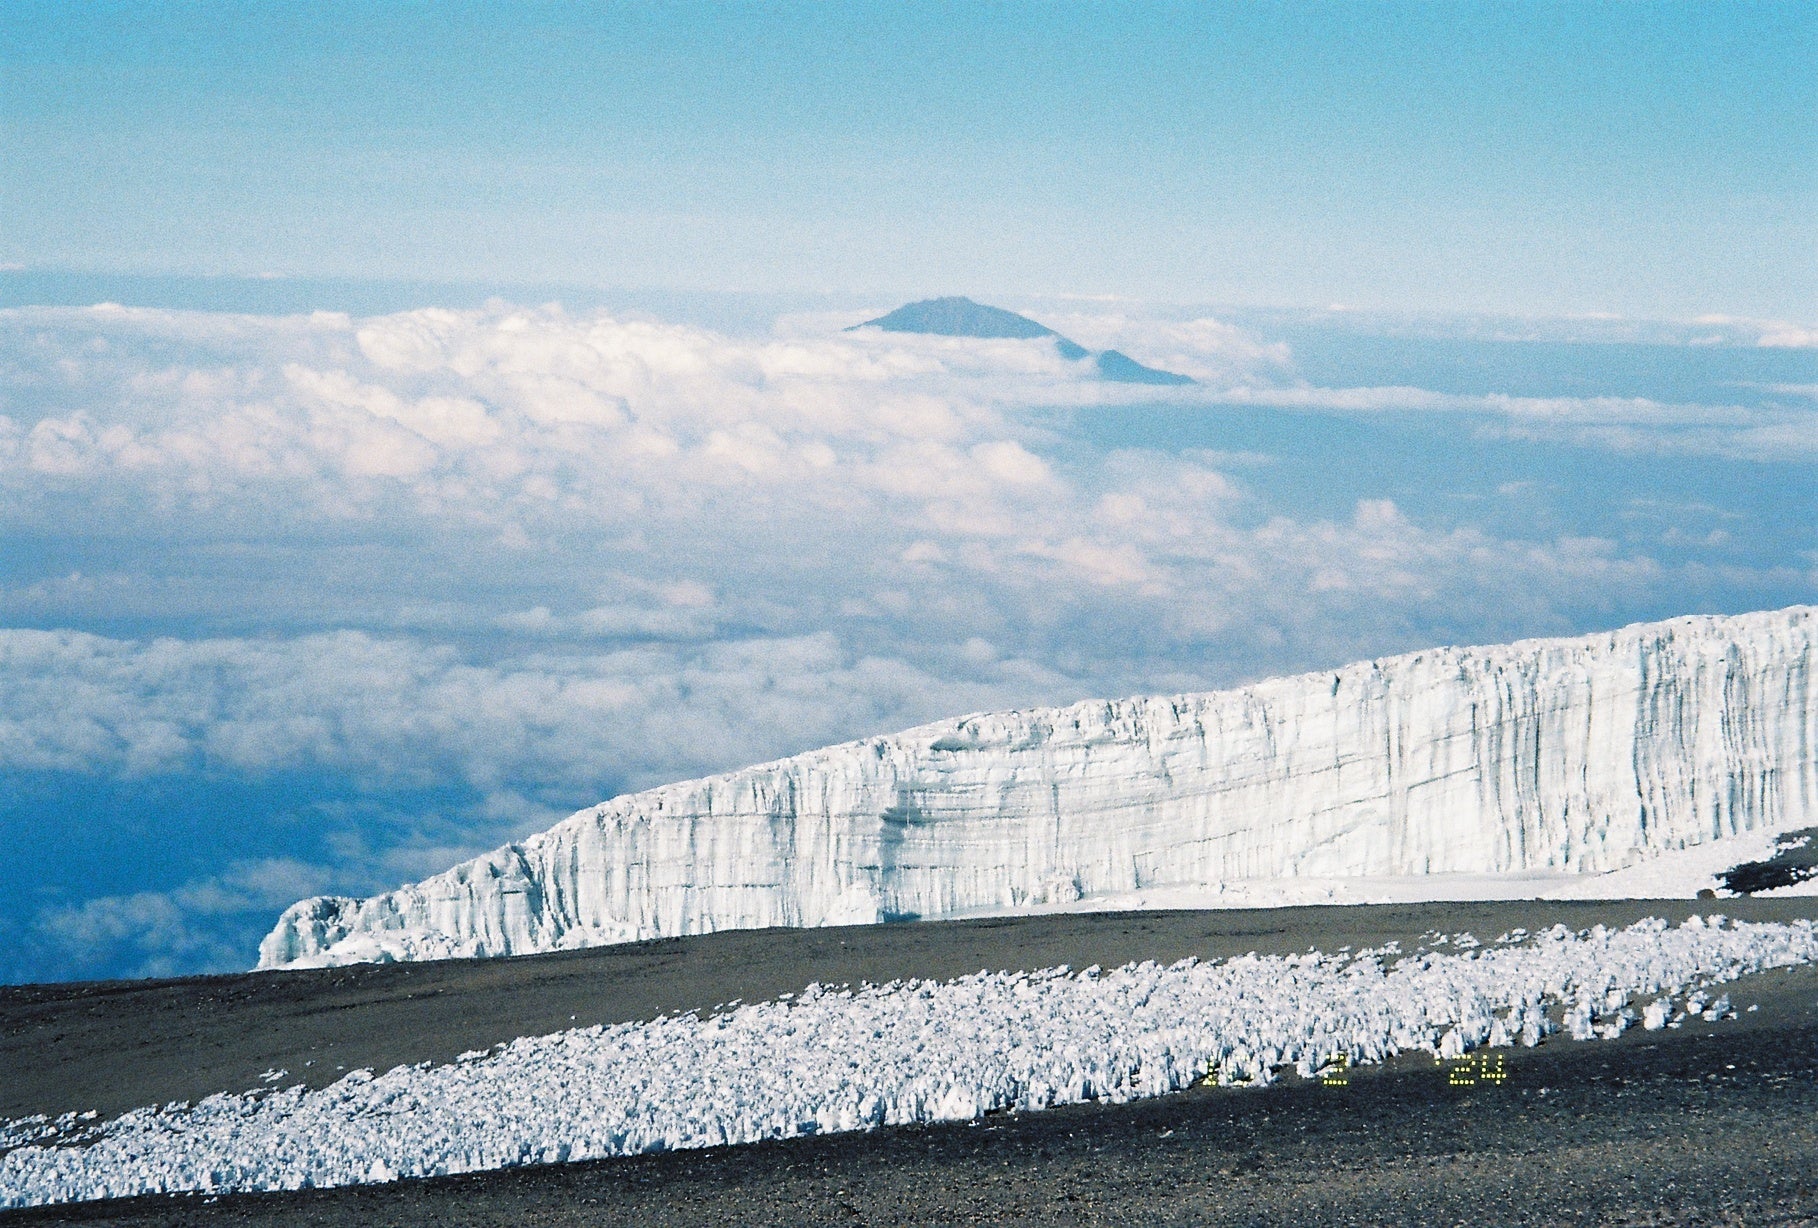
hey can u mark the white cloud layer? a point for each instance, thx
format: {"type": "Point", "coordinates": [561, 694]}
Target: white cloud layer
{"type": "Point", "coordinates": [163, 933]}
{"type": "Point", "coordinates": [573, 466]}
{"type": "Point", "coordinates": [1641, 424]}
{"type": "Point", "coordinates": [398, 712]}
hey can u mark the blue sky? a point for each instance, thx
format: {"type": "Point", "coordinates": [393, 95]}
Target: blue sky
{"type": "Point", "coordinates": [1644, 159]}
{"type": "Point", "coordinates": [419, 423]}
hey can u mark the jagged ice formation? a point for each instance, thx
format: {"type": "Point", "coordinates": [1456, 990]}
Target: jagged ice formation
{"type": "Point", "coordinates": [1577, 755]}
{"type": "Point", "coordinates": [831, 1060]}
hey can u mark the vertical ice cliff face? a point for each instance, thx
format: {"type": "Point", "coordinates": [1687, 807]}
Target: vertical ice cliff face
{"type": "Point", "coordinates": [1579, 755]}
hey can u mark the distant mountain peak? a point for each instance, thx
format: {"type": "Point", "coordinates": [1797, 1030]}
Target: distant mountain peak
{"type": "Point", "coordinates": [957, 316]}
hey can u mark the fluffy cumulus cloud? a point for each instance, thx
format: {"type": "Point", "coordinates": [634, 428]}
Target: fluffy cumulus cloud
{"type": "Point", "coordinates": [201, 926]}
{"type": "Point", "coordinates": [516, 421]}
{"type": "Point", "coordinates": [543, 556]}
{"type": "Point", "coordinates": [398, 712]}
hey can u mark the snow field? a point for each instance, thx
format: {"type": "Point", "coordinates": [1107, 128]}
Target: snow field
{"type": "Point", "coordinates": [831, 1060]}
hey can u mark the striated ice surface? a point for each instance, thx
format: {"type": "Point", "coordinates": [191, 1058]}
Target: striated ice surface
{"type": "Point", "coordinates": [832, 1060]}
{"type": "Point", "coordinates": [1571, 756]}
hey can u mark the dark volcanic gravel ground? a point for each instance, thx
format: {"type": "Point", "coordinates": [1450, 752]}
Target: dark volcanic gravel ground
{"type": "Point", "coordinates": [1712, 1124]}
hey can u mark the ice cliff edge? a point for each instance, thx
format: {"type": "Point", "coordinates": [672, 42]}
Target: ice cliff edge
{"type": "Point", "coordinates": [1578, 755]}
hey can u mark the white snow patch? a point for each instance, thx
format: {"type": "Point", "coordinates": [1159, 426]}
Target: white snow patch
{"type": "Point", "coordinates": [1679, 874]}
{"type": "Point", "coordinates": [1808, 887]}
{"type": "Point", "coordinates": [830, 1060]}
{"type": "Point", "coordinates": [1300, 892]}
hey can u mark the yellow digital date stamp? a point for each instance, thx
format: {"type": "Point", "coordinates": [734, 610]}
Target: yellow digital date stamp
{"type": "Point", "coordinates": [1476, 1068]}
{"type": "Point", "coordinates": [1472, 1070]}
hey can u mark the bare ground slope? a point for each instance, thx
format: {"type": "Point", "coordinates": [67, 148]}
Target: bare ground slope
{"type": "Point", "coordinates": [1708, 1124]}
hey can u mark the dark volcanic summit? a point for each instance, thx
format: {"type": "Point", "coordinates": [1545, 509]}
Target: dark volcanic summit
{"type": "Point", "coordinates": [956, 316]}
{"type": "Point", "coordinates": [961, 317]}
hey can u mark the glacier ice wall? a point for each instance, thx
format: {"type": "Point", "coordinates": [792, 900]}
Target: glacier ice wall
{"type": "Point", "coordinates": [1578, 755]}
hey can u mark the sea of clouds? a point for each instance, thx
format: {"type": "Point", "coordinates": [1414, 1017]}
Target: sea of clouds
{"type": "Point", "coordinates": [439, 577]}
